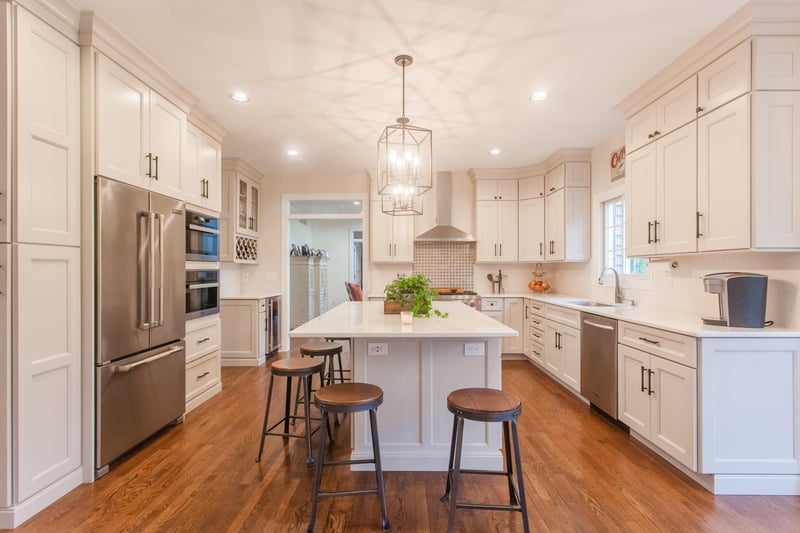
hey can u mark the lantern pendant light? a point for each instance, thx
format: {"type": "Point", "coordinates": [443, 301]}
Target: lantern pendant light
{"type": "Point", "coordinates": [405, 160]}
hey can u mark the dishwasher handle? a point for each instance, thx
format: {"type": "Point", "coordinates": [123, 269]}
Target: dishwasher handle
{"type": "Point", "coordinates": [596, 325]}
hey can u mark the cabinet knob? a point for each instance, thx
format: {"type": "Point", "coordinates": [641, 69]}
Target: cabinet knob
{"type": "Point", "coordinates": [649, 135]}
{"type": "Point", "coordinates": [700, 109]}
{"type": "Point", "coordinates": [552, 189]}
{"type": "Point", "coordinates": [656, 133]}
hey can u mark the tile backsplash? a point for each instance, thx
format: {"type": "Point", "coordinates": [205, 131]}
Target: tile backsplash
{"type": "Point", "coordinates": [446, 264]}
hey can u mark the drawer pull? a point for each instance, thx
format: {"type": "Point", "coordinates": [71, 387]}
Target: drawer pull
{"type": "Point", "coordinates": [204, 374]}
{"type": "Point", "coordinates": [648, 341]}
{"type": "Point", "coordinates": [201, 341]}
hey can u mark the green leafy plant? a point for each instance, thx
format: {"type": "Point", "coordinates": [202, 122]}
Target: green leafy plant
{"type": "Point", "coordinates": [413, 293]}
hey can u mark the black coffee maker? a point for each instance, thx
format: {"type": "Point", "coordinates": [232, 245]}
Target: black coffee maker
{"type": "Point", "coordinates": [742, 299]}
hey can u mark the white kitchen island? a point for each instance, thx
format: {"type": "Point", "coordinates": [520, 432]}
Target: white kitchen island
{"type": "Point", "coordinates": [417, 366]}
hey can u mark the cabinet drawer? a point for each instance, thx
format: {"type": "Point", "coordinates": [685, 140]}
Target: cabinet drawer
{"type": "Point", "coordinates": [537, 336]}
{"type": "Point", "coordinates": [673, 346]}
{"type": "Point", "coordinates": [537, 308]}
{"type": "Point", "coordinates": [491, 304]}
{"type": "Point", "coordinates": [536, 323]}
{"type": "Point", "coordinates": [568, 317]}
{"type": "Point", "coordinates": [202, 374]}
{"type": "Point", "coordinates": [202, 338]}
{"type": "Point", "coordinates": [537, 352]}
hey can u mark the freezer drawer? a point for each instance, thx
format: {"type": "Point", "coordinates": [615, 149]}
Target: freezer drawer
{"type": "Point", "coordinates": [136, 397]}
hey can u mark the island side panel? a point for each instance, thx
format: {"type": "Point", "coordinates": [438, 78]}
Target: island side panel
{"type": "Point", "coordinates": [414, 423]}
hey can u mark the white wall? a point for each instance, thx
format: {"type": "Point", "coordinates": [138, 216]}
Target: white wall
{"type": "Point", "coordinates": [334, 236]}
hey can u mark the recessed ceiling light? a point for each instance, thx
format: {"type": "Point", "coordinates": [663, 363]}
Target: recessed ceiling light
{"type": "Point", "coordinates": [239, 96]}
{"type": "Point", "coordinates": [540, 96]}
{"type": "Point", "coordinates": [293, 153]}
{"type": "Point", "coordinates": [495, 151]}
{"type": "Point", "coordinates": [356, 202]}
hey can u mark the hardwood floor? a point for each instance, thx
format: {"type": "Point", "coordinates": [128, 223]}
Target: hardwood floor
{"type": "Point", "coordinates": [581, 474]}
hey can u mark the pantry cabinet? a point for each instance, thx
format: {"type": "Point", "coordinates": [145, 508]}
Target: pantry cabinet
{"type": "Point", "coordinates": [140, 134]}
{"type": "Point", "coordinates": [392, 237]}
{"type": "Point", "coordinates": [202, 170]}
{"type": "Point", "coordinates": [660, 191]}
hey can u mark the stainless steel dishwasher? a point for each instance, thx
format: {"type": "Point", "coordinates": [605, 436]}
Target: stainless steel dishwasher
{"type": "Point", "coordinates": [599, 362]}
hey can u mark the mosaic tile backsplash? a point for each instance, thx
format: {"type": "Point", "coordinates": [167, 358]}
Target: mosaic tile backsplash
{"type": "Point", "coordinates": [446, 264]}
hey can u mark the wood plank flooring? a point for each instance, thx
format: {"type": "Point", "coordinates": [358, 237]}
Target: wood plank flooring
{"type": "Point", "coordinates": [581, 474]}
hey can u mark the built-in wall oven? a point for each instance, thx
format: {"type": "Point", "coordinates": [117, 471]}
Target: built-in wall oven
{"type": "Point", "coordinates": [202, 237]}
{"type": "Point", "coordinates": [202, 293]}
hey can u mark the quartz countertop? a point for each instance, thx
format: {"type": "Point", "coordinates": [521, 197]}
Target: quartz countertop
{"type": "Point", "coordinates": [366, 319]}
{"type": "Point", "coordinates": [685, 323]}
{"type": "Point", "coordinates": [253, 296]}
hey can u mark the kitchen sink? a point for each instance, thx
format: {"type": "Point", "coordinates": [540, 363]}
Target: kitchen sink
{"type": "Point", "coordinates": [587, 303]}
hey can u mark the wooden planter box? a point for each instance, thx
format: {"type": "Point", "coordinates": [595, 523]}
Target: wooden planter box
{"type": "Point", "coordinates": [393, 307]}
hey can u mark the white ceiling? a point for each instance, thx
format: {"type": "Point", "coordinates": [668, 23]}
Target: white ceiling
{"type": "Point", "coordinates": [322, 77]}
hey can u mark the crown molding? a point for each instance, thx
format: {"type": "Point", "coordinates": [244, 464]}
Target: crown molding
{"type": "Point", "coordinates": [562, 155]}
{"type": "Point", "coordinates": [62, 15]}
{"type": "Point", "coordinates": [207, 123]}
{"type": "Point", "coordinates": [240, 165]}
{"type": "Point", "coordinates": [567, 155]}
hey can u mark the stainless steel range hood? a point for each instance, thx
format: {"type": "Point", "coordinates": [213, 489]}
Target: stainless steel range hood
{"type": "Point", "coordinates": [443, 231]}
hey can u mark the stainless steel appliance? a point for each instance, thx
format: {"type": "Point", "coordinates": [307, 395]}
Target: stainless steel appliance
{"type": "Point", "coordinates": [202, 237]}
{"type": "Point", "coordinates": [140, 317]}
{"type": "Point", "coordinates": [470, 298]}
{"type": "Point", "coordinates": [742, 299]}
{"type": "Point", "coordinates": [599, 362]}
{"type": "Point", "coordinates": [273, 324]}
{"type": "Point", "coordinates": [202, 293]}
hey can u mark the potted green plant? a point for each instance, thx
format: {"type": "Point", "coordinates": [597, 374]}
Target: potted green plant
{"type": "Point", "coordinates": [410, 293]}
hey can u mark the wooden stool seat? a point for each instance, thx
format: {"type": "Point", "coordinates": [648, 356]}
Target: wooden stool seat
{"type": "Point", "coordinates": [297, 367]}
{"type": "Point", "coordinates": [485, 405]}
{"type": "Point", "coordinates": [349, 398]}
{"type": "Point", "coordinates": [303, 370]}
{"type": "Point", "coordinates": [320, 348]}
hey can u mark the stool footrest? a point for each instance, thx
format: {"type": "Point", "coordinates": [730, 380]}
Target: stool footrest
{"type": "Point", "coordinates": [350, 462]}
{"type": "Point", "coordinates": [489, 506]}
{"type": "Point", "coordinates": [348, 492]}
{"type": "Point", "coordinates": [485, 472]}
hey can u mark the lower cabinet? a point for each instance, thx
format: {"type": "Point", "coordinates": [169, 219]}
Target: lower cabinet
{"type": "Point", "coordinates": [250, 329]}
{"type": "Point", "coordinates": [562, 353]}
{"type": "Point", "coordinates": [513, 313]}
{"type": "Point", "coordinates": [203, 374]}
{"type": "Point", "coordinates": [658, 400]}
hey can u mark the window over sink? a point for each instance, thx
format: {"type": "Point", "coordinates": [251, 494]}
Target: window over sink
{"type": "Point", "coordinates": [614, 240]}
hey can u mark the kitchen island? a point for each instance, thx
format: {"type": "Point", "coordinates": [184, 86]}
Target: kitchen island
{"type": "Point", "coordinates": [417, 366]}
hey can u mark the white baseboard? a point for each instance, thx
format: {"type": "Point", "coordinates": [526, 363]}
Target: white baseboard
{"type": "Point", "coordinates": [205, 395]}
{"type": "Point", "coordinates": [11, 517]}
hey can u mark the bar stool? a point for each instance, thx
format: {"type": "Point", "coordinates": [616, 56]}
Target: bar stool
{"type": "Point", "coordinates": [326, 350]}
{"type": "Point", "coordinates": [349, 398]}
{"type": "Point", "coordinates": [303, 369]}
{"type": "Point", "coordinates": [485, 405]}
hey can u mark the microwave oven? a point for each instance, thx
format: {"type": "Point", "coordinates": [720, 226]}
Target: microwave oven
{"type": "Point", "coordinates": [202, 237]}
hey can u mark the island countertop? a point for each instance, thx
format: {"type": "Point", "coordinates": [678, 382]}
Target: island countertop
{"type": "Point", "coordinates": [366, 319]}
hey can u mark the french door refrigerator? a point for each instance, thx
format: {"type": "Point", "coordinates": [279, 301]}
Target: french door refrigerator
{"type": "Point", "coordinates": [140, 316]}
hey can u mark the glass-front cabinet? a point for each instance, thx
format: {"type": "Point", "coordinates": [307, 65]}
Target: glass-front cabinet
{"type": "Point", "coordinates": [239, 220]}
{"type": "Point", "coordinates": [247, 209]}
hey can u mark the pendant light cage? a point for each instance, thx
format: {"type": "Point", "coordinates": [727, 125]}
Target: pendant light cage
{"type": "Point", "coordinates": [405, 160]}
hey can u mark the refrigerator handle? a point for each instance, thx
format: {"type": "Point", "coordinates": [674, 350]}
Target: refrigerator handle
{"type": "Point", "coordinates": [162, 355]}
{"type": "Point", "coordinates": [152, 269]}
{"type": "Point", "coordinates": [161, 219]}
{"type": "Point", "coordinates": [144, 276]}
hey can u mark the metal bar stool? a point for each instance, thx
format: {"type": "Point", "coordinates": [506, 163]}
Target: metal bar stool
{"type": "Point", "coordinates": [349, 398]}
{"type": "Point", "coordinates": [303, 369]}
{"type": "Point", "coordinates": [485, 405]}
{"type": "Point", "coordinates": [326, 350]}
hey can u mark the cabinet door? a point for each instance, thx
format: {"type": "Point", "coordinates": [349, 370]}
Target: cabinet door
{"type": "Point", "coordinates": [676, 182]}
{"type": "Point", "coordinates": [253, 209]}
{"type": "Point", "coordinates": [123, 124]}
{"type": "Point", "coordinates": [507, 190]}
{"type": "Point", "coordinates": [5, 376]}
{"type": "Point", "coordinates": [47, 368]}
{"type": "Point", "coordinates": [577, 224]}
{"type": "Point", "coordinates": [486, 190]}
{"type": "Point", "coordinates": [193, 188]}
{"type": "Point", "coordinates": [47, 206]}
{"type": "Point", "coordinates": [380, 234]}
{"type": "Point", "coordinates": [723, 177]}
{"type": "Point", "coordinates": [487, 229]}
{"type": "Point", "coordinates": [209, 171]}
{"type": "Point", "coordinates": [508, 226]}
{"type": "Point", "coordinates": [554, 227]}
{"type": "Point", "coordinates": [776, 170]}
{"type": "Point", "coordinates": [570, 343]}
{"type": "Point", "coordinates": [776, 63]}
{"type": "Point", "coordinates": [553, 354]}
{"type": "Point", "coordinates": [532, 187]}
{"type": "Point", "coordinates": [555, 179]}
{"type": "Point", "coordinates": [167, 137]}
{"type": "Point", "coordinates": [513, 312]}
{"type": "Point", "coordinates": [639, 129]}
{"type": "Point", "coordinates": [725, 79]}
{"type": "Point", "coordinates": [531, 230]}
{"type": "Point", "coordinates": [403, 238]}
{"type": "Point", "coordinates": [676, 108]}
{"type": "Point", "coordinates": [640, 201]}
{"type": "Point", "coordinates": [526, 330]}
{"type": "Point", "coordinates": [673, 414]}
{"type": "Point", "coordinates": [633, 400]}
{"type": "Point", "coordinates": [263, 331]}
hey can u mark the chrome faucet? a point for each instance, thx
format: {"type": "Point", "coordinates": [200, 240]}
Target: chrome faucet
{"type": "Point", "coordinates": [618, 290]}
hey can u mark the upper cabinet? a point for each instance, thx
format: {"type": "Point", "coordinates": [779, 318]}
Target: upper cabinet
{"type": "Point", "coordinates": [46, 205]}
{"type": "Point", "coordinates": [202, 169]}
{"type": "Point", "coordinates": [724, 80]}
{"type": "Point", "coordinates": [671, 111]}
{"type": "Point", "coordinates": [496, 220]}
{"type": "Point", "coordinates": [776, 63]}
{"type": "Point", "coordinates": [491, 189]}
{"type": "Point", "coordinates": [391, 237]}
{"type": "Point", "coordinates": [239, 221]}
{"type": "Point", "coordinates": [140, 134]}
{"type": "Point", "coordinates": [567, 212]}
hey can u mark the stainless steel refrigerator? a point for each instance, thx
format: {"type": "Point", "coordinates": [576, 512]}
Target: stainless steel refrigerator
{"type": "Point", "coordinates": [140, 316]}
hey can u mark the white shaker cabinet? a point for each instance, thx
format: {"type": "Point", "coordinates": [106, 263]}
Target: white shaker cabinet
{"type": "Point", "coordinates": [5, 376]}
{"type": "Point", "coordinates": [392, 237]}
{"type": "Point", "coordinates": [567, 224]}
{"type": "Point", "coordinates": [776, 169]}
{"type": "Point", "coordinates": [140, 134]}
{"type": "Point", "coordinates": [660, 191]}
{"type": "Point", "coordinates": [724, 80]}
{"type": "Point", "coordinates": [497, 225]}
{"type": "Point", "coordinates": [239, 219]}
{"type": "Point", "coordinates": [668, 113]}
{"type": "Point", "coordinates": [776, 63]}
{"type": "Point", "coordinates": [723, 177]}
{"type": "Point", "coordinates": [202, 170]}
{"type": "Point", "coordinates": [513, 315]}
{"type": "Point", "coordinates": [531, 229]}
{"type": "Point", "coordinates": [203, 373]}
{"type": "Point", "coordinates": [491, 189]}
{"type": "Point", "coordinates": [562, 353]}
